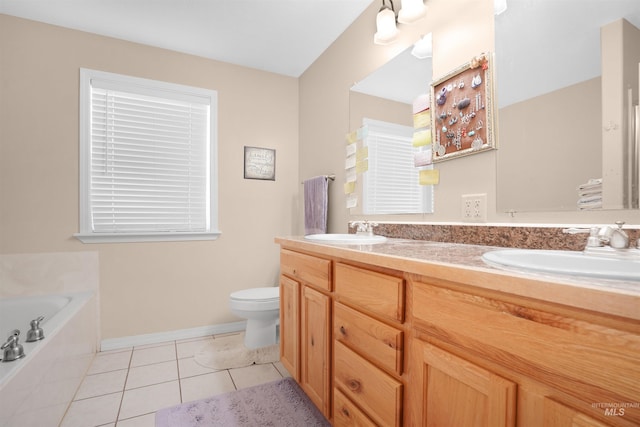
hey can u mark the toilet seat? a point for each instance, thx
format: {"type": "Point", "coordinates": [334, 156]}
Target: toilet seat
{"type": "Point", "coordinates": [256, 299]}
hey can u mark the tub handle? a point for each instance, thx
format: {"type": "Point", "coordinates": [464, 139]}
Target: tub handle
{"type": "Point", "coordinates": [35, 333]}
{"type": "Point", "coordinates": [12, 340]}
{"type": "Point", "coordinates": [35, 323]}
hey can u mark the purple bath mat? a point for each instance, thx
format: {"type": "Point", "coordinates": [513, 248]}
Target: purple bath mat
{"type": "Point", "coordinates": [279, 403]}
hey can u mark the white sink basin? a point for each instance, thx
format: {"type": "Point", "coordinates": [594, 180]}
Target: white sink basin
{"type": "Point", "coordinates": [346, 239]}
{"type": "Point", "coordinates": [565, 262]}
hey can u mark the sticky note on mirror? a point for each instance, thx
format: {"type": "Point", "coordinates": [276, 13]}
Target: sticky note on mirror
{"type": "Point", "coordinates": [350, 162]}
{"type": "Point", "coordinates": [362, 166]}
{"type": "Point", "coordinates": [422, 138]}
{"type": "Point", "coordinates": [352, 201]}
{"type": "Point", "coordinates": [351, 175]}
{"type": "Point", "coordinates": [349, 187]}
{"type": "Point", "coordinates": [351, 137]}
{"type": "Point", "coordinates": [422, 158]}
{"type": "Point", "coordinates": [429, 177]}
{"type": "Point", "coordinates": [362, 153]}
{"type": "Point", "coordinates": [422, 119]}
{"type": "Point", "coordinates": [351, 149]}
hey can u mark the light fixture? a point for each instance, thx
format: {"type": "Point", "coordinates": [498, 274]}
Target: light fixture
{"type": "Point", "coordinates": [423, 48]}
{"type": "Point", "coordinates": [387, 32]}
{"type": "Point", "coordinates": [499, 6]}
{"type": "Point", "coordinates": [411, 11]}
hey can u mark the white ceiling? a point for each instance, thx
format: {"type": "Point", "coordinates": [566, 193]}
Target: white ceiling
{"type": "Point", "coordinates": [280, 36]}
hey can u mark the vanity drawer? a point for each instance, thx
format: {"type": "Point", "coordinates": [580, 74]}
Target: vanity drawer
{"type": "Point", "coordinates": [381, 343]}
{"type": "Point", "coordinates": [345, 413]}
{"type": "Point", "coordinates": [379, 293]}
{"type": "Point", "coordinates": [307, 269]}
{"type": "Point", "coordinates": [378, 394]}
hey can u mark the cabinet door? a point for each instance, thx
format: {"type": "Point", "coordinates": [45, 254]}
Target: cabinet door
{"type": "Point", "coordinates": [558, 415]}
{"type": "Point", "coordinates": [315, 351]}
{"type": "Point", "coordinates": [446, 390]}
{"type": "Point", "coordinates": [290, 326]}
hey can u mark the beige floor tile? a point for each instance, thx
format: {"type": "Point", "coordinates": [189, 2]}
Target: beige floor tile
{"type": "Point", "coordinates": [188, 348]}
{"type": "Point", "coordinates": [111, 361]}
{"type": "Point", "coordinates": [188, 367]}
{"type": "Point", "coordinates": [145, 400]}
{"type": "Point", "coordinates": [254, 375]}
{"type": "Point", "coordinates": [149, 355]}
{"type": "Point", "coordinates": [148, 420]}
{"type": "Point", "coordinates": [103, 383]}
{"type": "Point", "coordinates": [207, 385]}
{"type": "Point", "coordinates": [95, 411]}
{"type": "Point", "coordinates": [141, 376]}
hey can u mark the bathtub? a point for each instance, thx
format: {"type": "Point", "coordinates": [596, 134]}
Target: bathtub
{"type": "Point", "coordinates": [37, 389]}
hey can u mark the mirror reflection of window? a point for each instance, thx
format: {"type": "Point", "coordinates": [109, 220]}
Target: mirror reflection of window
{"type": "Point", "coordinates": [391, 184]}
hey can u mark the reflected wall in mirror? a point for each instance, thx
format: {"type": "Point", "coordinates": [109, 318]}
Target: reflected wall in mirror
{"type": "Point", "coordinates": [387, 95]}
{"type": "Point", "coordinates": [555, 132]}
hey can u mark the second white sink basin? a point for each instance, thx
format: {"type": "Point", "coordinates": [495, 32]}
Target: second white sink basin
{"type": "Point", "coordinates": [346, 239]}
{"type": "Point", "coordinates": [565, 262]}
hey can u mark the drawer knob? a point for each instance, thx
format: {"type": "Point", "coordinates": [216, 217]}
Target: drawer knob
{"type": "Point", "coordinates": [345, 411]}
{"type": "Point", "coordinates": [354, 385]}
{"type": "Point", "coordinates": [343, 330]}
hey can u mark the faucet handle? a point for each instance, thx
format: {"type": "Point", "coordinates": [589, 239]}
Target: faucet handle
{"type": "Point", "coordinates": [12, 340]}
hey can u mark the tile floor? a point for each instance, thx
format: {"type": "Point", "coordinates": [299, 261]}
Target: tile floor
{"type": "Point", "coordinates": [125, 387]}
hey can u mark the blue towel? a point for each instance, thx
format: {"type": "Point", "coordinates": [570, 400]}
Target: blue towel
{"type": "Point", "coordinates": [316, 205]}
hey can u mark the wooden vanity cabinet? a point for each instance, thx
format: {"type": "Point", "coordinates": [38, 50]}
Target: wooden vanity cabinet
{"type": "Point", "coordinates": [485, 358]}
{"type": "Point", "coordinates": [305, 324]}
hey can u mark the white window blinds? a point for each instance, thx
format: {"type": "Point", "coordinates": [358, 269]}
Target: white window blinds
{"type": "Point", "coordinates": [391, 184]}
{"type": "Point", "coordinates": [150, 161]}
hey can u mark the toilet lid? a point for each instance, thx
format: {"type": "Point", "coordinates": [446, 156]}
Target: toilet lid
{"type": "Point", "coordinates": [268, 293]}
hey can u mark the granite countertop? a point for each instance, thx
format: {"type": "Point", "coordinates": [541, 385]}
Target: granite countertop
{"type": "Point", "coordinates": [462, 263]}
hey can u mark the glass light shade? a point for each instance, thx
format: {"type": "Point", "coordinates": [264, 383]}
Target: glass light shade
{"type": "Point", "coordinates": [499, 6]}
{"type": "Point", "coordinates": [423, 48]}
{"type": "Point", "coordinates": [411, 11]}
{"type": "Point", "coordinates": [386, 26]}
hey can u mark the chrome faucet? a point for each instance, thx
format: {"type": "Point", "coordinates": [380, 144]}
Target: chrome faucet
{"type": "Point", "coordinates": [11, 350]}
{"type": "Point", "coordinates": [613, 237]}
{"type": "Point", "coordinates": [35, 333]}
{"type": "Point", "coordinates": [364, 228]}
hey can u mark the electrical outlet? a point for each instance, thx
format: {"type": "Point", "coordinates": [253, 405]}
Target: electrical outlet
{"type": "Point", "coordinates": [474, 207]}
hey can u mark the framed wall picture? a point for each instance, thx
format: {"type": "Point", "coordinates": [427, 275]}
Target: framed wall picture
{"type": "Point", "coordinates": [462, 111]}
{"type": "Point", "coordinates": [259, 163]}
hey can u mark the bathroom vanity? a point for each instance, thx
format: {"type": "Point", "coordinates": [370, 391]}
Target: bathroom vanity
{"type": "Point", "coordinates": [420, 333]}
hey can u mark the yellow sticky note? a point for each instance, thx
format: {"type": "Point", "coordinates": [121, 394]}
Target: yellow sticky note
{"type": "Point", "coordinates": [422, 119]}
{"type": "Point", "coordinates": [362, 166]}
{"type": "Point", "coordinates": [352, 137]}
{"type": "Point", "coordinates": [421, 138]}
{"type": "Point", "coordinates": [362, 153]}
{"type": "Point", "coordinates": [429, 177]}
{"type": "Point", "coordinates": [349, 187]}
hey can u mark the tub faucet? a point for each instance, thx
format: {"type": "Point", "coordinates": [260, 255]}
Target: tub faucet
{"type": "Point", "coordinates": [11, 350]}
{"type": "Point", "coordinates": [364, 228]}
{"type": "Point", "coordinates": [35, 333]}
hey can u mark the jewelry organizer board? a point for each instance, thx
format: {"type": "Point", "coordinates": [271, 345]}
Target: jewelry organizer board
{"type": "Point", "coordinates": [462, 110]}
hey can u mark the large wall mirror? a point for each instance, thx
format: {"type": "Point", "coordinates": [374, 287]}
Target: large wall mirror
{"type": "Point", "coordinates": [387, 96]}
{"type": "Point", "coordinates": [557, 138]}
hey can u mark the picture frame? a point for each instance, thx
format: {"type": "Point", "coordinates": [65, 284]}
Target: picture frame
{"type": "Point", "coordinates": [259, 163]}
{"type": "Point", "coordinates": [463, 111]}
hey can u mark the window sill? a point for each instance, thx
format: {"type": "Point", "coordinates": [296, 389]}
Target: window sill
{"type": "Point", "coordinates": [145, 237]}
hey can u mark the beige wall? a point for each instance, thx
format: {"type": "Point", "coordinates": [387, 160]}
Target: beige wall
{"type": "Point", "coordinates": [145, 287]}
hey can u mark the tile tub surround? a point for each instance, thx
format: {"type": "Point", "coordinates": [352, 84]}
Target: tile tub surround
{"type": "Point", "coordinates": [529, 237]}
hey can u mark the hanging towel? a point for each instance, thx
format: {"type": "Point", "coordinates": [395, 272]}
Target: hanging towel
{"type": "Point", "coordinates": [316, 205]}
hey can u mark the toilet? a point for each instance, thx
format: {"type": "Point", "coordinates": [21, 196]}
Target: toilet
{"type": "Point", "coordinates": [261, 308]}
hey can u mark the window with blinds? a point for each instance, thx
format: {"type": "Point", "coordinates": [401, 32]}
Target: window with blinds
{"type": "Point", "coordinates": [147, 159]}
{"type": "Point", "coordinates": [391, 183]}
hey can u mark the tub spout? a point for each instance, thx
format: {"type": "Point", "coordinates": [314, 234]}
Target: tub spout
{"type": "Point", "coordinates": [35, 333]}
{"type": "Point", "coordinates": [12, 350]}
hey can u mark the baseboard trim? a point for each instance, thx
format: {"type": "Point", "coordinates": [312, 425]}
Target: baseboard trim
{"type": "Point", "coordinates": [201, 331]}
